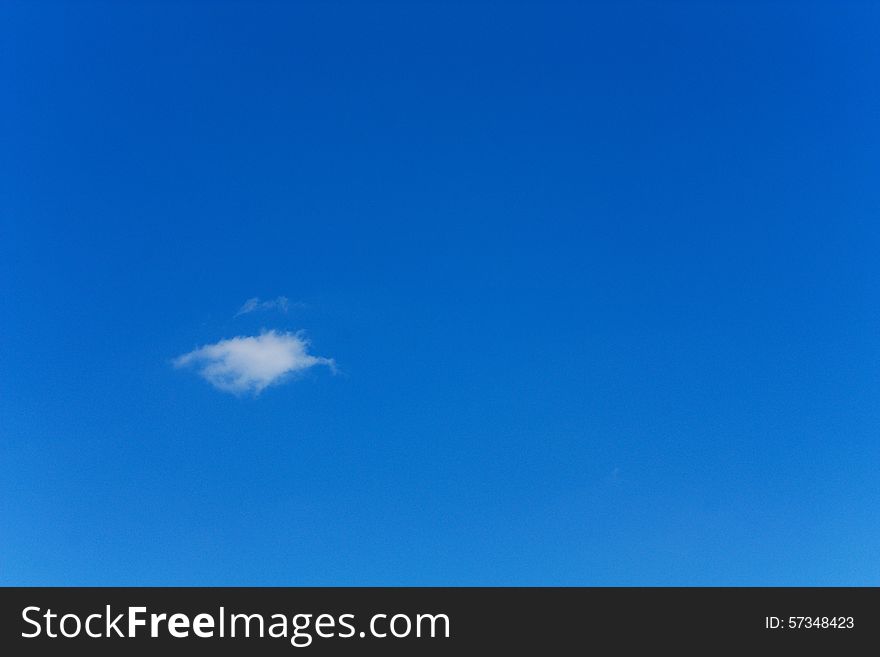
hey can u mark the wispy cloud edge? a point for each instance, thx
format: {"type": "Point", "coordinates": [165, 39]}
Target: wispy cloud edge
{"type": "Point", "coordinates": [254, 304]}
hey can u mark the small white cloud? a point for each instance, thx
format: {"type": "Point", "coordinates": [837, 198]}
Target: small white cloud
{"type": "Point", "coordinates": [249, 364]}
{"type": "Point", "coordinates": [253, 304]}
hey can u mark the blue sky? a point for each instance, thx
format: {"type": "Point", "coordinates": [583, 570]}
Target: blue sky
{"type": "Point", "coordinates": [592, 289]}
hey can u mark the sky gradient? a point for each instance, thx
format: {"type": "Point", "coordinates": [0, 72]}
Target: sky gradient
{"type": "Point", "coordinates": [599, 283]}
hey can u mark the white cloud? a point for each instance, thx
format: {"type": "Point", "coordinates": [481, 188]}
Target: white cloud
{"type": "Point", "coordinates": [251, 363]}
{"type": "Point", "coordinates": [253, 304]}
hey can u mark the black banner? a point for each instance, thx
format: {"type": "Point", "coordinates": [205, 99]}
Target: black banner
{"type": "Point", "coordinates": [340, 621]}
